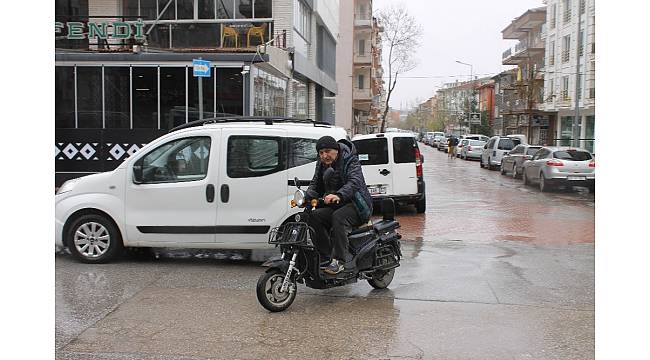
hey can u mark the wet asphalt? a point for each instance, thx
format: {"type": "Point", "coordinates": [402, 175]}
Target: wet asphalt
{"type": "Point", "coordinates": [492, 270]}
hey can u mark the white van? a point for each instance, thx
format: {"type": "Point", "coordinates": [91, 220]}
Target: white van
{"type": "Point", "coordinates": [212, 184]}
{"type": "Point", "coordinates": [497, 147]}
{"type": "Point", "coordinates": [392, 167]}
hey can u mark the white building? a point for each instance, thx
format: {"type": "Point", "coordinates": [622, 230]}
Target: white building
{"type": "Point", "coordinates": [565, 47]}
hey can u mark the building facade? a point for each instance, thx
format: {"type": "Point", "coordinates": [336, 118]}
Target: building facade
{"type": "Point", "coordinates": [570, 60]}
{"type": "Point", "coordinates": [124, 70]}
{"type": "Point", "coordinates": [523, 107]}
{"type": "Point", "coordinates": [361, 95]}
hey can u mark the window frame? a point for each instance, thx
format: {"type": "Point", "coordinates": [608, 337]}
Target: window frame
{"type": "Point", "coordinates": [140, 162]}
{"type": "Point", "coordinates": [281, 156]}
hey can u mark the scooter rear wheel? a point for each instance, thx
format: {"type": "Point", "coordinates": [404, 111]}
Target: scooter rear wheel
{"type": "Point", "coordinates": [381, 279]}
{"type": "Point", "coordinates": [268, 291]}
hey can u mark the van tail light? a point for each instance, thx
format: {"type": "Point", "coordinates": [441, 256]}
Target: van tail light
{"type": "Point", "coordinates": [592, 163]}
{"type": "Point", "coordinates": [554, 162]}
{"type": "Point", "coordinates": [418, 163]}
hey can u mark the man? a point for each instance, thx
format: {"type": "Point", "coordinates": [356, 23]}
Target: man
{"type": "Point", "coordinates": [348, 202]}
{"type": "Point", "coordinates": [451, 148]}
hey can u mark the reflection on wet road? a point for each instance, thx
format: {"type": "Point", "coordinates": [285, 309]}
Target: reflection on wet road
{"type": "Point", "coordinates": [467, 203]}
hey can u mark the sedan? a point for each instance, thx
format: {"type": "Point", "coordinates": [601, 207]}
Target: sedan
{"type": "Point", "coordinates": [472, 150]}
{"type": "Point", "coordinates": [461, 145]}
{"type": "Point", "coordinates": [442, 144]}
{"type": "Point", "coordinates": [552, 166]}
{"type": "Point", "coordinates": [513, 162]}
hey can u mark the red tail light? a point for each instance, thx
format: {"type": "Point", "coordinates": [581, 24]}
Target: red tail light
{"type": "Point", "coordinates": [554, 162]}
{"type": "Point", "coordinates": [418, 163]}
{"type": "Point", "coordinates": [592, 163]}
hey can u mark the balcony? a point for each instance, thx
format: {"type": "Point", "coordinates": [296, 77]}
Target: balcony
{"type": "Point", "coordinates": [523, 51]}
{"type": "Point", "coordinates": [363, 19]}
{"type": "Point", "coordinates": [362, 94]}
{"type": "Point", "coordinates": [364, 58]}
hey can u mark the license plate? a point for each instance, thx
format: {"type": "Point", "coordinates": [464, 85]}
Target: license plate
{"type": "Point", "coordinates": [377, 189]}
{"type": "Point", "coordinates": [576, 178]}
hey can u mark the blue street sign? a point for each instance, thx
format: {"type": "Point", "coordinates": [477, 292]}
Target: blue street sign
{"type": "Point", "coordinates": [201, 68]}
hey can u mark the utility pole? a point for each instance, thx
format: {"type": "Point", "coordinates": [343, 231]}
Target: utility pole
{"type": "Point", "coordinates": [576, 118]}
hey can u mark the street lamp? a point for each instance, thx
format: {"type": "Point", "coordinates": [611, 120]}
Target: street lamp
{"type": "Point", "coordinates": [471, 78]}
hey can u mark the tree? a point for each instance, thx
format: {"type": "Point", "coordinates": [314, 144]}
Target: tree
{"type": "Point", "coordinates": [401, 39]}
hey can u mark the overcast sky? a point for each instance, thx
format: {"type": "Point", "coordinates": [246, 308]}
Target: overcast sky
{"type": "Point", "coordinates": [464, 30]}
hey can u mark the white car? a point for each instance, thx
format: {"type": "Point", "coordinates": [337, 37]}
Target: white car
{"type": "Point", "coordinates": [472, 150]}
{"type": "Point", "coordinates": [392, 167]}
{"type": "Point", "coordinates": [212, 184]}
{"type": "Point", "coordinates": [496, 148]}
{"type": "Point", "coordinates": [553, 166]}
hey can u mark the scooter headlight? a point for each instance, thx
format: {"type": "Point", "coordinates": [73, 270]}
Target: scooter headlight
{"type": "Point", "coordinates": [299, 198]}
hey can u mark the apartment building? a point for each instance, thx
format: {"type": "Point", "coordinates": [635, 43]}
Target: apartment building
{"type": "Point", "coordinates": [522, 109]}
{"type": "Point", "coordinates": [570, 42]}
{"type": "Point", "coordinates": [124, 69]}
{"type": "Point", "coordinates": [359, 71]}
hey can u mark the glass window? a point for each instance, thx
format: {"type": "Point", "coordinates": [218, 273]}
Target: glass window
{"type": "Point", "coordinates": [566, 130]}
{"type": "Point", "coordinates": [518, 149]}
{"type": "Point", "coordinates": [243, 9]}
{"type": "Point", "coordinates": [117, 81]}
{"type": "Point", "coordinates": [184, 9]}
{"type": "Point", "coordinates": [207, 9]}
{"type": "Point", "coordinates": [170, 12]}
{"type": "Point", "coordinates": [145, 98]}
{"type": "Point", "coordinates": [130, 8]}
{"type": "Point", "coordinates": [64, 97]}
{"type": "Point", "coordinates": [195, 35]}
{"type": "Point", "coordinates": [477, 143]}
{"type": "Point", "coordinates": [176, 161]}
{"type": "Point", "coordinates": [362, 47]}
{"type": "Point", "coordinates": [300, 109]}
{"type": "Point", "coordinates": [589, 133]}
{"type": "Point", "coordinates": [532, 151]}
{"type": "Point", "coordinates": [193, 95]}
{"type": "Point", "coordinates": [263, 9]}
{"type": "Point", "coordinates": [506, 144]}
{"type": "Point", "coordinates": [572, 155]}
{"type": "Point", "coordinates": [252, 156]}
{"type": "Point", "coordinates": [404, 150]}
{"type": "Point", "coordinates": [361, 82]}
{"type": "Point", "coordinates": [158, 38]}
{"type": "Point", "coordinates": [301, 152]}
{"type": "Point", "coordinates": [89, 97]}
{"type": "Point", "coordinates": [372, 151]}
{"type": "Point", "coordinates": [225, 9]}
{"type": "Point", "coordinates": [230, 96]}
{"type": "Point", "coordinates": [148, 9]}
{"type": "Point", "coordinates": [302, 19]}
{"type": "Point", "coordinates": [172, 97]}
{"type": "Point", "coordinates": [270, 94]}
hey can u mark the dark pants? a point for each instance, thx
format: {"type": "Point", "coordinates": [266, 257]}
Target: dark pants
{"type": "Point", "coordinates": [340, 221]}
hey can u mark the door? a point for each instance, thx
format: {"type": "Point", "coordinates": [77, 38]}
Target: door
{"type": "Point", "coordinates": [405, 181]}
{"type": "Point", "coordinates": [252, 188]}
{"type": "Point", "coordinates": [532, 170]}
{"type": "Point", "coordinates": [169, 191]}
{"type": "Point", "coordinates": [373, 156]}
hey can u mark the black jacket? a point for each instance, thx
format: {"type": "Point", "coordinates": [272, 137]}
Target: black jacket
{"type": "Point", "coordinates": [348, 182]}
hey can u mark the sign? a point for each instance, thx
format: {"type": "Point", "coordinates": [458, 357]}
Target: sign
{"type": "Point", "coordinates": [120, 30]}
{"type": "Point", "coordinates": [201, 68]}
{"type": "Point", "coordinates": [475, 118]}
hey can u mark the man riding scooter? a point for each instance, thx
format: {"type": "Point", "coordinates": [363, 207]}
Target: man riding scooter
{"type": "Point", "coordinates": [347, 198]}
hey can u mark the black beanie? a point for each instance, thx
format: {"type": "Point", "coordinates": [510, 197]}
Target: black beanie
{"type": "Point", "coordinates": [327, 142]}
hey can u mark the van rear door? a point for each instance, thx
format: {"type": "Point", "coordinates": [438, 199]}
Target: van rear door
{"type": "Point", "coordinates": [404, 171]}
{"type": "Point", "coordinates": [373, 155]}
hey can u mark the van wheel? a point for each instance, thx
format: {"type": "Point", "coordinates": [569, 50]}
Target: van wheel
{"type": "Point", "coordinates": [480, 160]}
{"type": "Point", "coordinates": [489, 164]}
{"type": "Point", "coordinates": [515, 175]}
{"type": "Point", "coordinates": [94, 239]}
{"type": "Point", "coordinates": [421, 205]}
{"type": "Point", "coordinates": [503, 169]}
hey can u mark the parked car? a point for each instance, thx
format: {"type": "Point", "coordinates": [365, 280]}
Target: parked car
{"type": "Point", "coordinates": [437, 136]}
{"type": "Point", "coordinates": [461, 144]}
{"type": "Point", "coordinates": [472, 150]}
{"type": "Point", "coordinates": [496, 148]}
{"type": "Point", "coordinates": [222, 183]}
{"type": "Point", "coordinates": [392, 167]}
{"type": "Point", "coordinates": [441, 145]}
{"type": "Point", "coordinates": [513, 162]}
{"type": "Point", "coordinates": [555, 166]}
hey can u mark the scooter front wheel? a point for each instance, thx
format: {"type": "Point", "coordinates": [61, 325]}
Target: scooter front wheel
{"type": "Point", "coordinates": [269, 292]}
{"type": "Point", "coordinates": [381, 279]}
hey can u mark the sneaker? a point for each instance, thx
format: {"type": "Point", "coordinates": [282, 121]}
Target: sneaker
{"type": "Point", "coordinates": [325, 263]}
{"type": "Point", "coordinates": [334, 267]}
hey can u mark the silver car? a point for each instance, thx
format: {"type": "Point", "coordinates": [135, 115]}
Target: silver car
{"type": "Point", "coordinates": [472, 150]}
{"type": "Point", "coordinates": [553, 166]}
{"type": "Point", "coordinates": [513, 162]}
{"type": "Point", "coordinates": [442, 144]}
{"type": "Point", "coordinates": [461, 144]}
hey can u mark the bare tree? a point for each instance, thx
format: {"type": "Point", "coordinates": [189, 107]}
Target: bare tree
{"type": "Point", "coordinates": [401, 38]}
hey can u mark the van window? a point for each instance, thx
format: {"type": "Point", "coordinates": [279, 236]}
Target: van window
{"type": "Point", "coordinates": [476, 142]}
{"type": "Point", "coordinates": [252, 156]}
{"type": "Point", "coordinates": [532, 151]}
{"type": "Point", "coordinates": [403, 150]}
{"type": "Point", "coordinates": [176, 161]}
{"type": "Point", "coordinates": [372, 151]}
{"type": "Point", "coordinates": [572, 155]}
{"type": "Point", "coordinates": [506, 144]}
{"type": "Point", "coordinates": [301, 152]}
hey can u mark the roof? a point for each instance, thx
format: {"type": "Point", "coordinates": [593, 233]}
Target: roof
{"type": "Point", "coordinates": [383, 135]}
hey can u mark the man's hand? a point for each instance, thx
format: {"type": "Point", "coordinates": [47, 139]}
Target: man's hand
{"type": "Point", "coordinates": [332, 198]}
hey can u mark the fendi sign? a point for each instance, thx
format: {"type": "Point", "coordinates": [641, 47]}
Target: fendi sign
{"type": "Point", "coordinates": [121, 30]}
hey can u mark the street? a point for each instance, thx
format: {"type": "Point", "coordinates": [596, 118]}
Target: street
{"type": "Point", "coordinates": [492, 270]}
